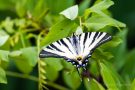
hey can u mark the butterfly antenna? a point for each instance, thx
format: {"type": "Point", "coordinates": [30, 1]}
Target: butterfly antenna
{"type": "Point", "coordinates": [79, 74]}
{"type": "Point", "coordinates": [73, 34]}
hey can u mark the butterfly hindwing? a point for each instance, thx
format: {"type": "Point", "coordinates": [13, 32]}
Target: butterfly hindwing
{"type": "Point", "coordinates": [92, 40]}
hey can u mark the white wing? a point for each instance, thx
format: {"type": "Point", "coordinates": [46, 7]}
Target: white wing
{"type": "Point", "coordinates": [91, 40]}
{"type": "Point", "coordinates": [62, 49]}
{"type": "Point", "coordinates": [77, 45]}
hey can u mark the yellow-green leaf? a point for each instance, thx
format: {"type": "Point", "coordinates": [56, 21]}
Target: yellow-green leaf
{"type": "Point", "coordinates": [108, 78]}
{"type": "Point", "coordinates": [93, 85]}
{"type": "Point", "coordinates": [3, 78]}
{"type": "Point", "coordinates": [71, 12]}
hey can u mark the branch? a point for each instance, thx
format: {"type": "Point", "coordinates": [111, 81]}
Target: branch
{"type": "Point", "coordinates": [33, 78]}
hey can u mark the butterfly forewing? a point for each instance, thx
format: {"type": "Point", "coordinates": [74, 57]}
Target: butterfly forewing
{"type": "Point", "coordinates": [76, 45]}
{"type": "Point", "coordinates": [62, 49]}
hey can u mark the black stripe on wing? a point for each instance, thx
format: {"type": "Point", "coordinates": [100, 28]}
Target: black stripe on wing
{"type": "Point", "coordinates": [106, 38]}
{"type": "Point", "coordinates": [58, 49]}
{"type": "Point", "coordinates": [94, 40]}
{"type": "Point", "coordinates": [45, 54]}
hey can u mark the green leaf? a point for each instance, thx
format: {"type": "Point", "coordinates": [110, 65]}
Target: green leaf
{"type": "Point", "coordinates": [40, 7]}
{"type": "Point", "coordinates": [59, 5]}
{"type": "Point", "coordinates": [51, 73]}
{"type": "Point", "coordinates": [102, 55]}
{"type": "Point", "coordinates": [116, 41]}
{"type": "Point", "coordinates": [102, 22]}
{"type": "Point", "coordinates": [27, 52]}
{"type": "Point", "coordinates": [118, 79]}
{"type": "Point", "coordinates": [3, 39]}
{"type": "Point", "coordinates": [132, 87]}
{"type": "Point", "coordinates": [58, 31]}
{"type": "Point", "coordinates": [108, 78]}
{"type": "Point", "coordinates": [55, 63]}
{"type": "Point", "coordinates": [72, 79]}
{"type": "Point", "coordinates": [21, 7]}
{"type": "Point", "coordinates": [129, 66]}
{"type": "Point", "coordinates": [3, 78]}
{"type": "Point", "coordinates": [25, 59]}
{"type": "Point", "coordinates": [8, 24]}
{"type": "Point", "coordinates": [98, 11]}
{"type": "Point", "coordinates": [105, 4]}
{"type": "Point", "coordinates": [94, 68]}
{"type": "Point", "coordinates": [120, 51]}
{"type": "Point", "coordinates": [15, 53]}
{"type": "Point", "coordinates": [71, 12]}
{"type": "Point", "coordinates": [78, 30]}
{"type": "Point", "coordinates": [84, 5]}
{"type": "Point", "coordinates": [98, 7]}
{"type": "Point", "coordinates": [93, 85]}
{"type": "Point", "coordinates": [4, 55]}
{"type": "Point", "coordinates": [5, 5]}
{"type": "Point", "coordinates": [68, 66]}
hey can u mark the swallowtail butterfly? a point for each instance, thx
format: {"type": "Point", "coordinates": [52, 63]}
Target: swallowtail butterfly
{"type": "Point", "coordinates": [77, 48]}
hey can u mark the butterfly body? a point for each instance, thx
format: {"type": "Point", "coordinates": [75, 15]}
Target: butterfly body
{"type": "Point", "coordinates": [77, 48]}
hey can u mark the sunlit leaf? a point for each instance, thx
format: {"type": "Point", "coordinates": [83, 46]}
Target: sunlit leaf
{"type": "Point", "coordinates": [71, 13]}
{"type": "Point", "coordinates": [105, 4]}
{"type": "Point", "coordinates": [15, 53]}
{"type": "Point", "coordinates": [78, 30]}
{"type": "Point", "coordinates": [108, 77]}
{"type": "Point", "coordinates": [59, 30]}
{"type": "Point", "coordinates": [93, 85]}
{"type": "Point", "coordinates": [98, 7]}
{"type": "Point", "coordinates": [4, 55]}
{"type": "Point", "coordinates": [3, 78]}
{"type": "Point", "coordinates": [3, 39]}
{"type": "Point", "coordinates": [8, 25]}
{"type": "Point", "coordinates": [100, 23]}
{"type": "Point", "coordinates": [133, 85]}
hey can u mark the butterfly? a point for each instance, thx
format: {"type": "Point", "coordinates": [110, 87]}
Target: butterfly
{"type": "Point", "coordinates": [76, 49]}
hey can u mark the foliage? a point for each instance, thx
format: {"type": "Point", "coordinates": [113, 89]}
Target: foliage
{"type": "Point", "coordinates": [37, 23]}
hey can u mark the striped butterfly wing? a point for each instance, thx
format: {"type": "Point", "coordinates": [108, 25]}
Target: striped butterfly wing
{"type": "Point", "coordinates": [77, 45]}
{"type": "Point", "coordinates": [62, 48]}
{"type": "Point", "coordinates": [91, 40]}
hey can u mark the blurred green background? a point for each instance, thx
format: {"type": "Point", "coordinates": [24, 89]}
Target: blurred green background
{"type": "Point", "coordinates": [30, 13]}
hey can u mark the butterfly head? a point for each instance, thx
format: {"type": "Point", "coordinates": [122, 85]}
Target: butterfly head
{"type": "Point", "coordinates": [79, 62]}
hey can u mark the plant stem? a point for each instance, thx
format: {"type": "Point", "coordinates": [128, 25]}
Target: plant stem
{"type": "Point", "coordinates": [22, 38]}
{"type": "Point", "coordinates": [25, 76]}
{"type": "Point", "coordinates": [56, 86]}
{"type": "Point", "coordinates": [33, 78]}
{"type": "Point", "coordinates": [38, 48]}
